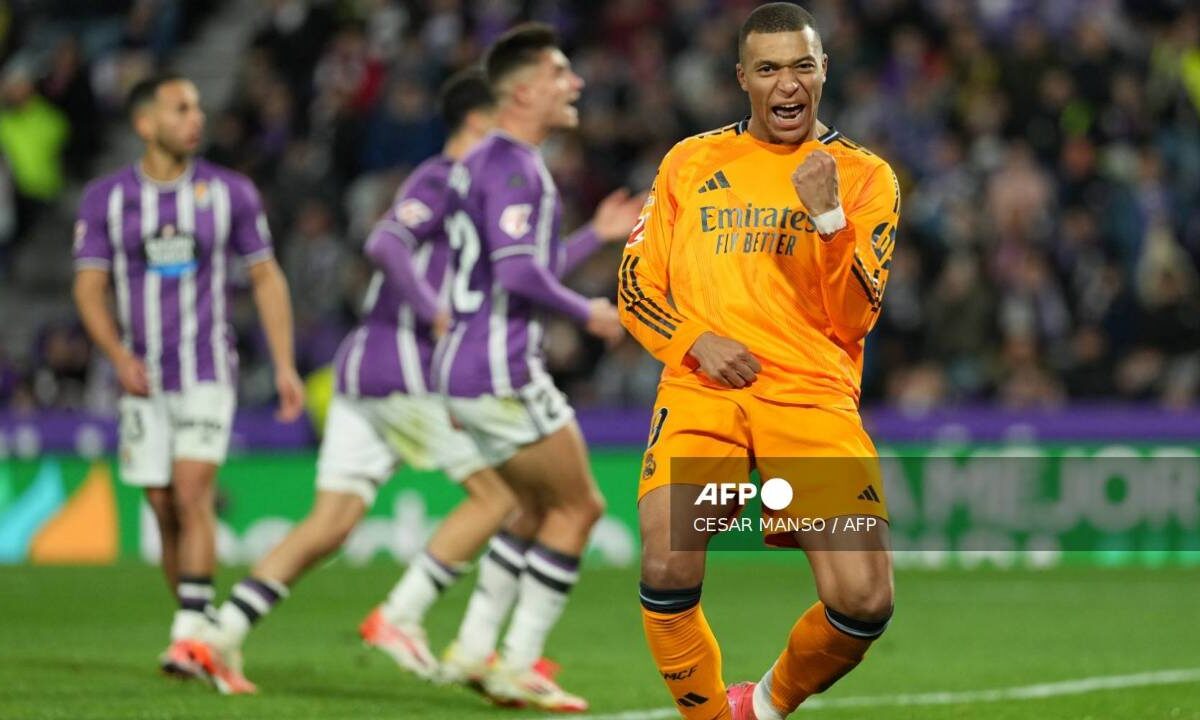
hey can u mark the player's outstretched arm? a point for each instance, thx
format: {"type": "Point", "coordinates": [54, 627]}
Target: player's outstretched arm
{"type": "Point", "coordinates": [275, 310]}
{"type": "Point", "coordinates": [523, 276]}
{"type": "Point", "coordinates": [390, 247]}
{"type": "Point", "coordinates": [857, 238]}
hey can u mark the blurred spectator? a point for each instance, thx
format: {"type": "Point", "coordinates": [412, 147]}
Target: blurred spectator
{"type": "Point", "coordinates": [68, 86]}
{"type": "Point", "coordinates": [33, 135]}
{"type": "Point", "coordinates": [63, 360]}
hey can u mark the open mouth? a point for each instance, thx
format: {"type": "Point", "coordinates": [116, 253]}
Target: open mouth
{"type": "Point", "coordinates": [788, 114]}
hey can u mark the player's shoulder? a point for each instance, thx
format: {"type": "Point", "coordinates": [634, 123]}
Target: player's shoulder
{"type": "Point", "coordinates": [241, 187]}
{"type": "Point", "coordinates": [502, 149]}
{"type": "Point", "coordinates": [503, 162]}
{"type": "Point", "coordinates": [423, 193]}
{"type": "Point", "coordinates": [852, 154]}
{"type": "Point", "coordinates": [703, 144]}
{"type": "Point", "coordinates": [100, 187]}
{"type": "Point", "coordinates": [432, 169]}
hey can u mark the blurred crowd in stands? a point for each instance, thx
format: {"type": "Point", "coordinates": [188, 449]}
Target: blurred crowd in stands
{"type": "Point", "coordinates": [1048, 155]}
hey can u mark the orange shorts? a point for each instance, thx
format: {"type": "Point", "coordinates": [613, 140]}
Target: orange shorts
{"type": "Point", "coordinates": [719, 436]}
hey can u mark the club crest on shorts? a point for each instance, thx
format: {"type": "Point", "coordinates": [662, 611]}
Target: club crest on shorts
{"type": "Point", "coordinates": [650, 466]}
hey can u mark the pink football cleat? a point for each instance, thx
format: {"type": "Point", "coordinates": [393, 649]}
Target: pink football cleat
{"type": "Point", "coordinates": [741, 701]}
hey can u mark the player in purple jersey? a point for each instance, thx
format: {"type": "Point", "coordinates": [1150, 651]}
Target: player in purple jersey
{"type": "Point", "coordinates": [165, 233]}
{"type": "Point", "coordinates": [509, 255]}
{"type": "Point", "coordinates": [382, 413]}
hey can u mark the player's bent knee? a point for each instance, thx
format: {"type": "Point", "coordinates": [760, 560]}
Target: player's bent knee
{"type": "Point", "coordinates": [672, 569]}
{"type": "Point", "coordinates": [193, 508]}
{"type": "Point", "coordinates": [873, 604]}
{"type": "Point", "coordinates": [582, 511]}
{"type": "Point", "coordinates": [592, 507]}
{"type": "Point", "coordinates": [491, 491]}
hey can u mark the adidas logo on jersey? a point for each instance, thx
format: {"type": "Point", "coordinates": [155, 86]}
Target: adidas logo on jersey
{"type": "Point", "coordinates": [869, 494]}
{"type": "Point", "coordinates": [691, 700]}
{"type": "Point", "coordinates": [716, 181]}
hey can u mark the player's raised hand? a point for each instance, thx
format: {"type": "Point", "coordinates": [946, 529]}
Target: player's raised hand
{"type": "Point", "coordinates": [603, 321]}
{"type": "Point", "coordinates": [816, 183]}
{"type": "Point", "coordinates": [291, 394]}
{"type": "Point", "coordinates": [726, 361]}
{"type": "Point", "coordinates": [131, 373]}
{"type": "Point", "coordinates": [617, 214]}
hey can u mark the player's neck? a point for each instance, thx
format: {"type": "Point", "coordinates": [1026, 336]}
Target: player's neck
{"type": "Point", "coordinates": [460, 144]}
{"type": "Point", "coordinates": [162, 166]}
{"type": "Point", "coordinates": [758, 130]}
{"type": "Point", "coordinates": [528, 130]}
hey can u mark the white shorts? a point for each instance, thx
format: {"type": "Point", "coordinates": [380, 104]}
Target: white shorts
{"type": "Point", "coordinates": [155, 431]}
{"type": "Point", "coordinates": [502, 425]}
{"type": "Point", "coordinates": [366, 438]}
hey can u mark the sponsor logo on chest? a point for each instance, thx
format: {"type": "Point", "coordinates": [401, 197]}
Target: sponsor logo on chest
{"type": "Point", "coordinates": [170, 253]}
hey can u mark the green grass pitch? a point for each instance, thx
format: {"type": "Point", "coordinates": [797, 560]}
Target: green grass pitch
{"type": "Point", "coordinates": [81, 643]}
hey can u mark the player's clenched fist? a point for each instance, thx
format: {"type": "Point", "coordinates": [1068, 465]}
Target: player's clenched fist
{"type": "Point", "coordinates": [816, 183]}
{"type": "Point", "coordinates": [725, 361]}
{"type": "Point", "coordinates": [603, 321]}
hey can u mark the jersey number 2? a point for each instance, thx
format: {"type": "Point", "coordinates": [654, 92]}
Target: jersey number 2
{"type": "Point", "coordinates": [465, 241]}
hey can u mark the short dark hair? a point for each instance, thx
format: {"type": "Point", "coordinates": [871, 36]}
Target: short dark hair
{"type": "Point", "coordinates": [516, 49]}
{"type": "Point", "coordinates": [465, 91]}
{"type": "Point", "coordinates": [145, 90]}
{"type": "Point", "coordinates": [775, 17]}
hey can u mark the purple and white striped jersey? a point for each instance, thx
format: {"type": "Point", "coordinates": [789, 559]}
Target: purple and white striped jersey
{"type": "Point", "coordinates": [391, 349]}
{"type": "Point", "coordinates": [168, 248]}
{"type": "Point", "coordinates": [504, 219]}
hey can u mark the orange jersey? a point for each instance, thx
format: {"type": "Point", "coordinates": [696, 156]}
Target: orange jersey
{"type": "Point", "coordinates": [724, 244]}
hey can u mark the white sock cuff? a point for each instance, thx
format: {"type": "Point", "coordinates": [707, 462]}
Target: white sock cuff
{"type": "Point", "coordinates": [512, 558]}
{"type": "Point", "coordinates": [443, 575]}
{"type": "Point", "coordinates": [764, 709]}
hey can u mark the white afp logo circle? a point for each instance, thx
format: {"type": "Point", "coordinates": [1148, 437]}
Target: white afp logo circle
{"type": "Point", "coordinates": [776, 493]}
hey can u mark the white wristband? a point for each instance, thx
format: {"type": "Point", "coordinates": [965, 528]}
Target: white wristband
{"type": "Point", "coordinates": [830, 221]}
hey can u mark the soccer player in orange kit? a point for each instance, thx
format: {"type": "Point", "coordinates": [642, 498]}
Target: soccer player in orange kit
{"type": "Point", "coordinates": [755, 272]}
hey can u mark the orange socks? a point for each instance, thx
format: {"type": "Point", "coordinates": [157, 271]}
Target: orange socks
{"type": "Point", "coordinates": [685, 651]}
{"type": "Point", "coordinates": [823, 646]}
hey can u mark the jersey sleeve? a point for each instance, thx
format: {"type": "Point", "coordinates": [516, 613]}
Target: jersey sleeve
{"type": "Point", "coordinates": [642, 282]}
{"type": "Point", "coordinates": [249, 233]}
{"type": "Point", "coordinates": [855, 260]}
{"type": "Point", "coordinates": [419, 209]}
{"type": "Point", "coordinates": [91, 247]}
{"type": "Point", "coordinates": [513, 211]}
{"type": "Point", "coordinates": [416, 215]}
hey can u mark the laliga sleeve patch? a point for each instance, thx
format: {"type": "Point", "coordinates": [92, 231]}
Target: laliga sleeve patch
{"type": "Point", "coordinates": [514, 220]}
{"type": "Point", "coordinates": [412, 212]}
{"type": "Point", "coordinates": [81, 228]}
